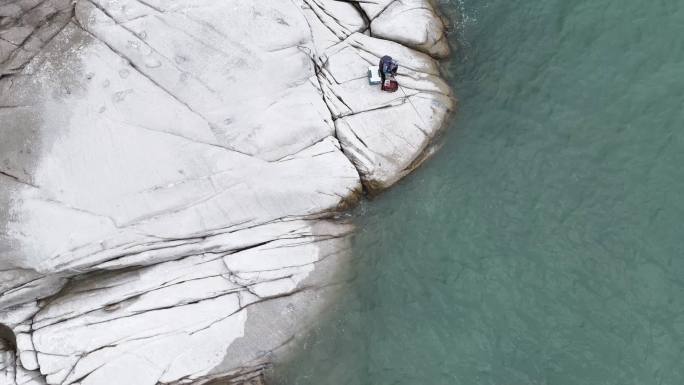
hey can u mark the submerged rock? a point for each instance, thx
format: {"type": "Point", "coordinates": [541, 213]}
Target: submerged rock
{"type": "Point", "coordinates": [170, 174]}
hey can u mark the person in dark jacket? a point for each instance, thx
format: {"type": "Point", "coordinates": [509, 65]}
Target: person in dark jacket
{"type": "Point", "coordinates": [387, 67]}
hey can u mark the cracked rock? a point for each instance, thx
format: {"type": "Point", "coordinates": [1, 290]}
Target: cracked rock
{"type": "Point", "coordinates": [171, 174]}
{"type": "Point", "coordinates": [413, 24]}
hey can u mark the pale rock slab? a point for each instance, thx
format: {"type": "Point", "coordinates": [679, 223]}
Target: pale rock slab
{"type": "Point", "coordinates": [413, 24]}
{"type": "Point", "coordinates": [124, 175]}
{"type": "Point", "coordinates": [174, 321]}
{"type": "Point", "coordinates": [247, 78]}
{"type": "Point", "coordinates": [168, 171]}
{"type": "Point", "coordinates": [130, 204]}
{"type": "Point", "coordinates": [385, 144]}
{"type": "Point", "coordinates": [386, 135]}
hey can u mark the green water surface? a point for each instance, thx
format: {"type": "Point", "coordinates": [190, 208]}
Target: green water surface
{"type": "Point", "coordinates": [544, 244]}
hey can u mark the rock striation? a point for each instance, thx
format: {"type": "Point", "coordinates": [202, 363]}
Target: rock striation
{"type": "Point", "coordinates": [172, 174]}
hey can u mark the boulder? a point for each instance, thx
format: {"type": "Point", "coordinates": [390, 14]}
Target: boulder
{"type": "Point", "coordinates": [172, 174]}
{"type": "Point", "coordinates": [412, 23]}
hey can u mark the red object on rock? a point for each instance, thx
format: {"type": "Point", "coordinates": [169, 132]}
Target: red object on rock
{"type": "Point", "coordinates": [390, 85]}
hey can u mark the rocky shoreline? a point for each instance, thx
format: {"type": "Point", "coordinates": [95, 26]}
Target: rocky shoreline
{"type": "Point", "coordinates": [172, 175]}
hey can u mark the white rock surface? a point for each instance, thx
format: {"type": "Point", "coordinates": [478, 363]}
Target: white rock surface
{"type": "Point", "coordinates": [170, 171]}
{"type": "Point", "coordinates": [384, 134]}
{"type": "Point", "coordinates": [409, 22]}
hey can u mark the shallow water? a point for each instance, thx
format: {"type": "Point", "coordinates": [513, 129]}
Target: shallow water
{"type": "Point", "coordinates": [544, 244]}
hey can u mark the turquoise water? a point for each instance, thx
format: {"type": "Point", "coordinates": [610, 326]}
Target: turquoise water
{"type": "Point", "coordinates": [544, 244]}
